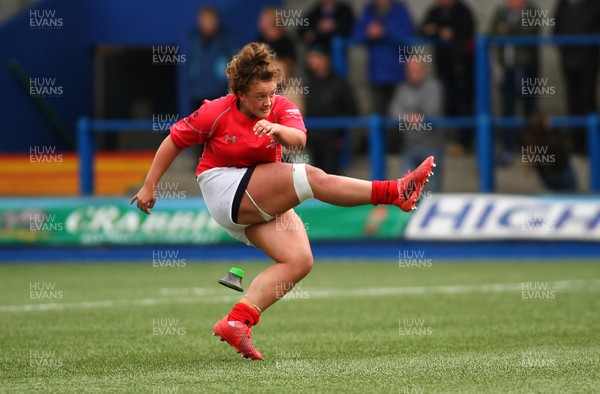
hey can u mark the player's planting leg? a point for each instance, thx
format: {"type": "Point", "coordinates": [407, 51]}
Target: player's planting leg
{"type": "Point", "coordinates": [289, 247]}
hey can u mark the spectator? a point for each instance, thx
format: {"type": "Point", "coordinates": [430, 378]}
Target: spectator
{"type": "Point", "coordinates": [519, 63]}
{"type": "Point", "coordinates": [272, 33]}
{"type": "Point", "coordinates": [451, 22]}
{"type": "Point", "coordinates": [327, 19]}
{"type": "Point", "coordinates": [382, 26]}
{"type": "Point", "coordinates": [420, 96]}
{"type": "Point", "coordinates": [210, 49]}
{"type": "Point", "coordinates": [553, 165]}
{"type": "Point", "coordinates": [291, 87]}
{"type": "Point", "coordinates": [579, 63]}
{"type": "Point", "coordinates": [328, 95]}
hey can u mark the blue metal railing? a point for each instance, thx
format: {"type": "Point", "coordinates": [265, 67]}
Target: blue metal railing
{"type": "Point", "coordinates": [483, 120]}
{"type": "Point", "coordinates": [374, 124]}
{"type": "Point", "coordinates": [485, 140]}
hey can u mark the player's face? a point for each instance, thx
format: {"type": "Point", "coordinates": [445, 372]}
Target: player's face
{"type": "Point", "coordinates": [258, 100]}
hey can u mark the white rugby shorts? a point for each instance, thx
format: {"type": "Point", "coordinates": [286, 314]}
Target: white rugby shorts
{"type": "Point", "coordinates": [222, 194]}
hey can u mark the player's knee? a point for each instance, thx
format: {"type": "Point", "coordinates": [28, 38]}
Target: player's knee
{"type": "Point", "coordinates": [306, 265]}
{"type": "Point", "coordinates": [303, 262]}
{"type": "Point", "coordinates": [317, 177]}
{"type": "Point", "coordinates": [302, 185]}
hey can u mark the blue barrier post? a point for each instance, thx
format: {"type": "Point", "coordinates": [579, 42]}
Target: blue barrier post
{"type": "Point", "coordinates": [376, 148]}
{"type": "Point", "coordinates": [339, 62]}
{"type": "Point", "coordinates": [593, 130]}
{"type": "Point", "coordinates": [485, 140]}
{"type": "Point", "coordinates": [85, 148]}
{"type": "Point", "coordinates": [346, 156]}
{"type": "Point", "coordinates": [184, 104]}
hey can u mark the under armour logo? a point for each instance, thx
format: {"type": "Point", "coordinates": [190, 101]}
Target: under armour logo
{"type": "Point", "coordinates": [230, 139]}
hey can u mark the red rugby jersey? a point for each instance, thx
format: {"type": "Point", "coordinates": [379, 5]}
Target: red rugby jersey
{"type": "Point", "coordinates": [228, 136]}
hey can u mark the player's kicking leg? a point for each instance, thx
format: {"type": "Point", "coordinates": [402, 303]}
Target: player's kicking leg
{"type": "Point", "coordinates": [274, 189]}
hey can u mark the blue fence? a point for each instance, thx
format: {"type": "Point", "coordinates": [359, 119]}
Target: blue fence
{"type": "Point", "coordinates": [483, 121]}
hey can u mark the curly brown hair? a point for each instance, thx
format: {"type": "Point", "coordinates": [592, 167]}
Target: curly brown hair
{"type": "Point", "coordinates": [255, 60]}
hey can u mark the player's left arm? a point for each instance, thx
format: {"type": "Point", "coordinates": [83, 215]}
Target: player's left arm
{"type": "Point", "coordinates": [287, 136]}
{"type": "Point", "coordinates": [288, 128]}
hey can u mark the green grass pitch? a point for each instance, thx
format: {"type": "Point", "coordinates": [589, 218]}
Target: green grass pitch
{"type": "Point", "coordinates": [364, 327]}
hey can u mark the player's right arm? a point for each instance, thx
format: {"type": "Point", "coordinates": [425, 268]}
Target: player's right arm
{"type": "Point", "coordinates": [186, 132]}
{"type": "Point", "coordinates": [166, 153]}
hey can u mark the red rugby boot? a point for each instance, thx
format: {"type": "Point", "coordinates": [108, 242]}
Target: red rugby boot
{"type": "Point", "coordinates": [238, 335]}
{"type": "Point", "coordinates": [411, 185]}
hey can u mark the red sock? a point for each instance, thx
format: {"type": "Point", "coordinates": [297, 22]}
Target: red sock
{"type": "Point", "coordinates": [244, 313]}
{"type": "Point", "coordinates": [384, 192]}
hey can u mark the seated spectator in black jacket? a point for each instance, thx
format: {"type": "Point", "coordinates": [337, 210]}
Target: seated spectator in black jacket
{"type": "Point", "coordinates": [328, 95]}
{"type": "Point", "coordinates": [327, 19]}
{"type": "Point", "coordinates": [547, 150]}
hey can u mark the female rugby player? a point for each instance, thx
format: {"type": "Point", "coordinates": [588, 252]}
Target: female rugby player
{"type": "Point", "coordinates": [245, 185]}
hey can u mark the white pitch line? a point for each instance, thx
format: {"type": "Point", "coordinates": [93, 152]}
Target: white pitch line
{"type": "Point", "coordinates": [452, 289]}
{"type": "Point", "coordinates": [206, 295]}
{"type": "Point", "coordinates": [111, 303]}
